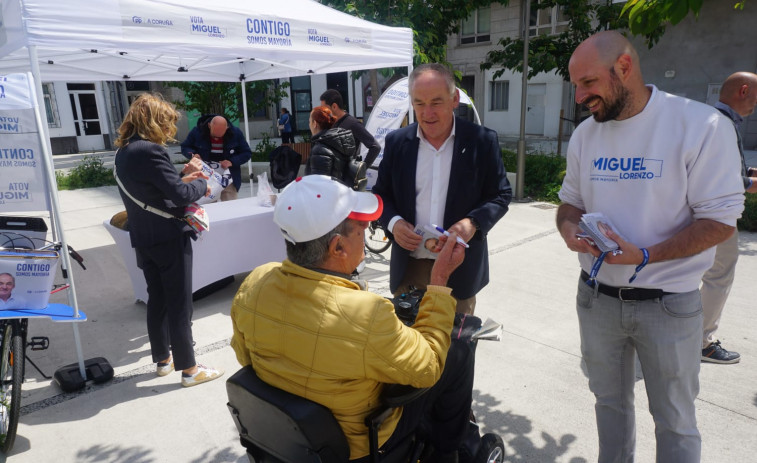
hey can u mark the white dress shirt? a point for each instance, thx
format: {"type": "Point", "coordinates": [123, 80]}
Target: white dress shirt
{"type": "Point", "coordinates": [431, 181]}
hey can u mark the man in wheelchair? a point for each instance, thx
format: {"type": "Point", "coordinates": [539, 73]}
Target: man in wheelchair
{"type": "Point", "coordinates": [308, 328]}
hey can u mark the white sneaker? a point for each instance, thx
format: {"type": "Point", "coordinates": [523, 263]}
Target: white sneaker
{"type": "Point", "coordinates": [203, 375]}
{"type": "Point", "coordinates": [164, 368]}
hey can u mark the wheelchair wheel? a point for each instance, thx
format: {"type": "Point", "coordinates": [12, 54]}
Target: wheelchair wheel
{"type": "Point", "coordinates": [491, 450]}
{"type": "Point", "coordinates": [375, 238]}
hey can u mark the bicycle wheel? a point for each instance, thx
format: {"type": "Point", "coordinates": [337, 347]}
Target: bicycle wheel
{"type": "Point", "coordinates": [375, 238]}
{"type": "Point", "coordinates": [11, 375]}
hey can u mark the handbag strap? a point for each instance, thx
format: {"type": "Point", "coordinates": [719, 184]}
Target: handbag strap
{"type": "Point", "coordinates": [139, 203]}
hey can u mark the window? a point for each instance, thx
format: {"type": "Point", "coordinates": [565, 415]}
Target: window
{"type": "Point", "coordinates": [547, 21]}
{"type": "Point", "coordinates": [51, 108]}
{"type": "Point", "coordinates": [499, 95]}
{"type": "Point", "coordinates": [476, 28]}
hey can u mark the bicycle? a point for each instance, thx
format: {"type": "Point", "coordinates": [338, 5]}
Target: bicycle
{"type": "Point", "coordinates": [13, 345]}
{"type": "Point", "coordinates": [375, 238]}
{"type": "Point", "coordinates": [12, 372]}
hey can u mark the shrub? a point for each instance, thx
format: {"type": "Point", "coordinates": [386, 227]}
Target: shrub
{"type": "Point", "coordinates": [543, 174]}
{"type": "Point", "coordinates": [89, 173]}
{"type": "Point", "coordinates": [263, 149]}
{"type": "Point", "coordinates": [748, 220]}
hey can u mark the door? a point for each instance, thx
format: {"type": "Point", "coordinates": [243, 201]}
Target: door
{"type": "Point", "coordinates": [535, 105]}
{"type": "Point", "coordinates": [86, 119]}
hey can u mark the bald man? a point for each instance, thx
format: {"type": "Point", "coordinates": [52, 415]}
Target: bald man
{"type": "Point", "coordinates": [652, 163]}
{"type": "Point", "coordinates": [738, 97]}
{"type": "Point", "coordinates": [222, 146]}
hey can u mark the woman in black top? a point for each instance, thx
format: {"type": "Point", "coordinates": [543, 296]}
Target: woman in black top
{"type": "Point", "coordinates": [333, 151]}
{"type": "Point", "coordinates": [162, 245]}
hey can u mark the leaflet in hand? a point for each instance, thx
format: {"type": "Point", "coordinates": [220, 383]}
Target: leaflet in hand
{"type": "Point", "coordinates": [594, 225]}
{"type": "Point", "coordinates": [489, 331]}
{"type": "Point", "coordinates": [430, 237]}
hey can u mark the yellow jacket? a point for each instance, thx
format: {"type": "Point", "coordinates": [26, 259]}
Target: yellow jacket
{"type": "Point", "coordinates": [319, 336]}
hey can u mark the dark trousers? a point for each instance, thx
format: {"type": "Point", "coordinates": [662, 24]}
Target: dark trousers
{"type": "Point", "coordinates": [442, 414]}
{"type": "Point", "coordinates": [287, 137]}
{"type": "Point", "coordinates": [168, 272]}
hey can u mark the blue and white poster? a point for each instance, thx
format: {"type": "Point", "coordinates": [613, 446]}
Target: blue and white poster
{"type": "Point", "coordinates": [22, 175]}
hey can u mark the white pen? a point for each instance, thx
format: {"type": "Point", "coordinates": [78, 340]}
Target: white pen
{"type": "Point", "coordinates": [446, 233]}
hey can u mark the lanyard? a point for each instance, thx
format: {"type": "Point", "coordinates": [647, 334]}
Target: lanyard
{"type": "Point", "coordinates": [595, 269]}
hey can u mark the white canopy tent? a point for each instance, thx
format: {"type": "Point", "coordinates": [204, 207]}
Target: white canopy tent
{"type": "Point", "coordinates": [192, 40]}
{"type": "Point", "coordinates": [184, 40]}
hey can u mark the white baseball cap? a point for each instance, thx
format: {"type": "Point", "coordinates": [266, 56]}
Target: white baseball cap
{"type": "Point", "coordinates": [313, 205]}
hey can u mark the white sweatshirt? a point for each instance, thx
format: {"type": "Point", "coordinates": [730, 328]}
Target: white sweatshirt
{"type": "Point", "coordinates": [652, 175]}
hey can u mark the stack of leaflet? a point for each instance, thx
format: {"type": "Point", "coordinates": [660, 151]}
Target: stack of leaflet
{"type": "Point", "coordinates": [593, 226]}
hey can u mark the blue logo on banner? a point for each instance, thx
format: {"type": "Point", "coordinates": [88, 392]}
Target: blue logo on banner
{"type": "Point", "coordinates": [151, 22]}
{"type": "Point", "coordinates": [8, 124]}
{"type": "Point", "coordinates": [268, 32]}
{"type": "Point", "coordinates": [199, 27]}
{"type": "Point", "coordinates": [389, 115]}
{"type": "Point", "coordinates": [313, 37]}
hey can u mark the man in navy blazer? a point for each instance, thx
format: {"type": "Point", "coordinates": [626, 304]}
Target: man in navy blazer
{"type": "Point", "coordinates": [446, 171]}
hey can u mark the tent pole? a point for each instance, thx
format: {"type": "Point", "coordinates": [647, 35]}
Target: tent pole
{"type": "Point", "coordinates": [410, 113]}
{"type": "Point", "coordinates": [246, 127]}
{"type": "Point", "coordinates": [52, 189]}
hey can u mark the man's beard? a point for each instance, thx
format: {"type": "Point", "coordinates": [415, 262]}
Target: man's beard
{"type": "Point", "coordinates": [613, 107]}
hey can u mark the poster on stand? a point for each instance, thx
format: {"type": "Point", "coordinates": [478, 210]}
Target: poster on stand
{"type": "Point", "coordinates": [22, 176]}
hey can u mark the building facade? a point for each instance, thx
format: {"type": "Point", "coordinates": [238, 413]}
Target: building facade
{"type": "Point", "coordinates": [692, 59]}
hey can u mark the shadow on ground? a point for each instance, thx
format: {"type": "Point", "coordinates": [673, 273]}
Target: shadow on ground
{"type": "Point", "coordinates": [515, 430]}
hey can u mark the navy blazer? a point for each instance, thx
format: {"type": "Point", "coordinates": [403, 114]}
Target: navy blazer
{"type": "Point", "coordinates": [147, 173]}
{"type": "Point", "coordinates": [478, 188]}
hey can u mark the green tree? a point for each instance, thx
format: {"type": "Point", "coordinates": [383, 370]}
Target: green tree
{"type": "Point", "coordinates": [432, 21]}
{"type": "Point", "coordinates": [647, 16]}
{"type": "Point", "coordinates": [225, 98]}
{"type": "Point", "coordinates": [551, 52]}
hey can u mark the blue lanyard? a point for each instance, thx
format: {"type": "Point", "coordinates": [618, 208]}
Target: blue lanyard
{"type": "Point", "coordinates": [595, 270]}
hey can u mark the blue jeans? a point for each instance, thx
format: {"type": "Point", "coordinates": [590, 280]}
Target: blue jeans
{"type": "Point", "coordinates": [666, 335]}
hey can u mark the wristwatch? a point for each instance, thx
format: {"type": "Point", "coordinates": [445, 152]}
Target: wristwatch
{"type": "Point", "coordinates": [475, 223]}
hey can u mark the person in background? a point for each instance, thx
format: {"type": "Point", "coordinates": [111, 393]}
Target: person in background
{"type": "Point", "coordinates": [653, 164]}
{"type": "Point", "coordinates": [285, 127]}
{"type": "Point", "coordinates": [333, 149]}
{"type": "Point", "coordinates": [283, 310]}
{"type": "Point", "coordinates": [333, 99]}
{"type": "Point", "coordinates": [738, 97]}
{"type": "Point", "coordinates": [215, 140]}
{"type": "Point", "coordinates": [441, 170]}
{"type": "Point", "coordinates": [162, 245]}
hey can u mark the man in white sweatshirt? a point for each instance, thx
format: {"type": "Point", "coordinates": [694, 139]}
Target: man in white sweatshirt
{"type": "Point", "coordinates": [651, 163]}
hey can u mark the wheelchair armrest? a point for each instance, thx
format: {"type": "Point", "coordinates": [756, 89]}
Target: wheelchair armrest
{"type": "Point", "coordinates": [397, 395]}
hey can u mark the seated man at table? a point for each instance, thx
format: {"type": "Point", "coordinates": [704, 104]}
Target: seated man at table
{"type": "Point", "coordinates": [308, 328]}
{"type": "Point", "coordinates": [215, 140]}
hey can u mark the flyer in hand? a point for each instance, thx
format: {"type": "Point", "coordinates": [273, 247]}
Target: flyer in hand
{"type": "Point", "coordinates": [430, 237]}
{"type": "Point", "coordinates": [594, 226]}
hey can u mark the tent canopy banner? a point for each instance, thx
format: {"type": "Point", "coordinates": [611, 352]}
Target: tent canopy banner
{"type": "Point", "coordinates": [22, 176]}
{"type": "Point", "coordinates": [193, 40]}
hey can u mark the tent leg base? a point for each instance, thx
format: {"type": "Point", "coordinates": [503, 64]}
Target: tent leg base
{"type": "Point", "coordinates": [69, 378]}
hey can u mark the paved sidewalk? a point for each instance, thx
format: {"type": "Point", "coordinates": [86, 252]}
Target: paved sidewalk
{"type": "Point", "coordinates": [530, 387]}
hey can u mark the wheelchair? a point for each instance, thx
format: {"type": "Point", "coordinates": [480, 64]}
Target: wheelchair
{"type": "Point", "coordinates": [278, 427]}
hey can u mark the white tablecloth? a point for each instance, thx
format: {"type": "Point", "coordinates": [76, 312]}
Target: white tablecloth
{"type": "Point", "coordinates": [242, 236]}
